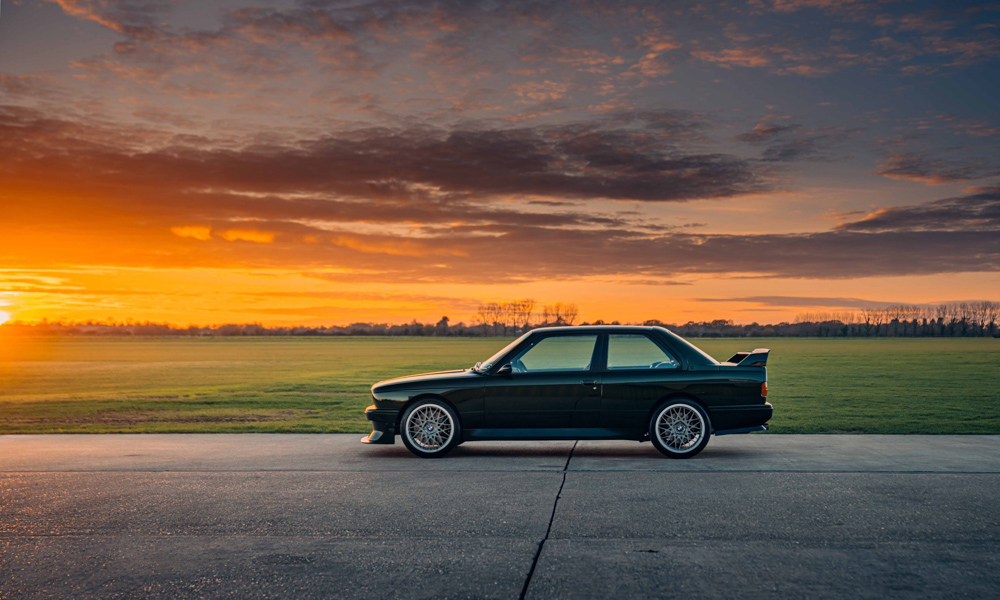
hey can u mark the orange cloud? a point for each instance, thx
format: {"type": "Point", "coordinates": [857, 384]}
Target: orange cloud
{"type": "Point", "coordinates": [197, 232]}
{"type": "Point", "coordinates": [539, 91]}
{"type": "Point", "coordinates": [248, 235]}
{"type": "Point", "coordinates": [741, 57]}
{"type": "Point", "coordinates": [394, 247]}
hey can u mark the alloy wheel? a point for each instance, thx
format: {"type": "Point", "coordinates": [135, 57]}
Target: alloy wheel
{"type": "Point", "coordinates": [680, 427]}
{"type": "Point", "coordinates": [430, 427]}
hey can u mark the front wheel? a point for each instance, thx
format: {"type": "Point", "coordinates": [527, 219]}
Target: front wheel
{"type": "Point", "coordinates": [430, 429]}
{"type": "Point", "coordinates": [679, 429]}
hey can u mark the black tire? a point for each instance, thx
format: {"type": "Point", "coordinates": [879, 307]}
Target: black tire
{"type": "Point", "coordinates": [676, 435]}
{"type": "Point", "coordinates": [424, 428]}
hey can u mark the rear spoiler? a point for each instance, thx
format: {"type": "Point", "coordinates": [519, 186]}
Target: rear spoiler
{"type": "Point", "coordinates": [757, 358]}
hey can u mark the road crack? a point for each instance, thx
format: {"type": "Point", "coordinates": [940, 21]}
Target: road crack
{"type": "Point", "coordinates": [552, 517]}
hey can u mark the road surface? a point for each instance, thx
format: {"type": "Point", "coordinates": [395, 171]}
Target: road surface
{"type": "Point", "coordinates": [322, 516]}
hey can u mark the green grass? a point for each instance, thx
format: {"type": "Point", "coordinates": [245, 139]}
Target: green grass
{"type": "Point", "coordinates": [321, 384]}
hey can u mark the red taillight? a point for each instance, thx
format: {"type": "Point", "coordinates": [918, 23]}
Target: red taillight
{"type": "Point", "coordinates": [763, 389]}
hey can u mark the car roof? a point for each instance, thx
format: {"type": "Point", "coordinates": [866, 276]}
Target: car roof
{"type": "Point", "coordinates": [597, 328]}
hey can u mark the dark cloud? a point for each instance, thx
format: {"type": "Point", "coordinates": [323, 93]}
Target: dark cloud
{"type": "Point", "coordinates": [430, 205]}
{"type": "Point", "coordinates": [622, 253]}
{"type": "Point", "coordinates": [934, 171]}
{"type": "Point", "coordinates": [790, 142]}
{"type": "Point", "coordinates": [585, 160]}
{"type": "Point", "coordinates": [765, 131]}
{"type": "Point", "coordinates": [802, 301]}
{"type": "Point", "coordinates": [979, 211]}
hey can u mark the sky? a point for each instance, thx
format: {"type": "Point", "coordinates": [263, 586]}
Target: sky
{"type": "Point", "coordinates": [314, 162]}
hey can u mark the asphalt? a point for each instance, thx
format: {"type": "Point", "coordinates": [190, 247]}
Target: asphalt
{"type": "Point", "coordinates": [322, 516]}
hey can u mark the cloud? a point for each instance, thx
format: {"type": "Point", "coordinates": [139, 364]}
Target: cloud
{"type": "Point", "coordinates": [437, 205]}
{"type": "Point", "coordinates": [614, 158]}
{"type": "Point", "coordinates": [978, 211]}
{"type": "Point", "coordinates": [133, 18]}
{"type": "Point", "coordinates": [248, 235]}
{"type": "Point", "coordinates": [912, 166]}
{"type": "Point", "coordinates": [847, 6]}
{"type": "Point", "coordinates": [787, 143]}
{"type": "Point", "coordinates": [196, 232]}
{"type": "Point", "coordinates": [802, 301]}
{"type": "Point", "coordinates": [764, 131]}
{"type": "Point", "coordinates": [737, 57]}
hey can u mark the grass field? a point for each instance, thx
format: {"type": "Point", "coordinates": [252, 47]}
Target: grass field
{"type": "Point", "coordinates": [321, 384]}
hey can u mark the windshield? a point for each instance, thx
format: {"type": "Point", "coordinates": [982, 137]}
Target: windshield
{"type": "Point", "coordinates": [486, 365]}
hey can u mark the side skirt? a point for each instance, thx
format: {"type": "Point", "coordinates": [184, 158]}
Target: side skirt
{"type": "Point", "coordinates": [580, 433]}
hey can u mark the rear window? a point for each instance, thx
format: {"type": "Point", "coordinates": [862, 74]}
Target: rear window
{"type": "Point", "coordinates": [636, 351]}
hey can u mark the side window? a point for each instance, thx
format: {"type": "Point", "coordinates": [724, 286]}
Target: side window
{"type": "Point", "coordinates": [556, 353]}
{"type": "Point", "coordinates": [635, 351]}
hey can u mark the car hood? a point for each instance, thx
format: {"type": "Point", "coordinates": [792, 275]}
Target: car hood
{"type": "Point", "coordinates": [425, 380]}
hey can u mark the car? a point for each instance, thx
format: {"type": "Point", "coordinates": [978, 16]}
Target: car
{"type": "Point", "coordinates": [579, 383]}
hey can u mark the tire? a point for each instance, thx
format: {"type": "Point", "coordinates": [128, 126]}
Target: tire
{"type": "Point", "coordinates": [430, 428]}
{"type": "Point", "coordinates": [679, 428]}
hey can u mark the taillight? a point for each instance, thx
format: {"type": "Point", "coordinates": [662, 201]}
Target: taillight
{"type": "Point", "coordinates": [763, 389]}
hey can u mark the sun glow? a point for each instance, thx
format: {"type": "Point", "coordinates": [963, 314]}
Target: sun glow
{"type": "Point", "coordinates": [4, 317]}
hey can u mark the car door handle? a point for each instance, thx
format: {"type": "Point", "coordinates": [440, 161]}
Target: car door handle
{"type": "Point", "coordinates": [590, 382]}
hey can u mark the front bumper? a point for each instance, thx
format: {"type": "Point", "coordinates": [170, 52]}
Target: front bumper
{"type": "Point", "coordinates": [383, 425]}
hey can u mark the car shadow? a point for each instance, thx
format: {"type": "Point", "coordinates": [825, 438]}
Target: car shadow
{"type": "Point", "coordinates": [622, 451]}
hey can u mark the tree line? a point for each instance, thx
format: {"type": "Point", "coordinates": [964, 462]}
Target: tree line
{"type": "Point", "coordinates": [954, 319]}
{"type": "Point", "coordinates": [957, 319]}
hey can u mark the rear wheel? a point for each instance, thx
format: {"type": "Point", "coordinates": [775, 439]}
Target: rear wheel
{"type": "Point", "coordinates": [430, 428]}
{"type": "Point", "coordinates": [679, 429]}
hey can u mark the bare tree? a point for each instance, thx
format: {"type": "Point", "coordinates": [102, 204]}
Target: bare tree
{"type": "Point", "coordinates": [874, 317]}
{"type": "Point", "coordinates": [503, 316]}
{"type": "Point", "coordinates": [559, 313]}
{"type": "Point", "coordinates": [522, 312]}
{"type": "Point", "coordinates": [488, 315]}
{"type": "Point", "coordinates": [979, 312]}
{"type": "Point", "coordinates": [569, 313]}
{"type": "Point", "coordinates": [992, 310]}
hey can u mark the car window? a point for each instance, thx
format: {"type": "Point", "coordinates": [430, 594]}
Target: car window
{"type": "Point", "coordinates": [556, 353]}
{"type": "Point", "coordinates": [634, 351]}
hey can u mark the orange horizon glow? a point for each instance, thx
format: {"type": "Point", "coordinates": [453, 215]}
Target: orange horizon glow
{"type": "Point", "coordinates": [185, 297]}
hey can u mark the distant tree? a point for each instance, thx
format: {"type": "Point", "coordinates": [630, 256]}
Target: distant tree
{"type": "Point", "coordinates": [559, 314]}
{"type": "Point", "coordinates": [992, 310]}
{"type": "Point", "coordinates": [523, 310]}
{"type": "Point", "coordinates": [442, 326]}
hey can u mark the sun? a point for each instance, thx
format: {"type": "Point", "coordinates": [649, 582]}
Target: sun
{"type": "Point", "coordinates": [4, 317]}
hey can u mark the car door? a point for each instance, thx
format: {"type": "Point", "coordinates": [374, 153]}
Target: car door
{"type": "Point", "coordinates": [639, 372]}
{"type": "Point", "coordinates": [552, 385]}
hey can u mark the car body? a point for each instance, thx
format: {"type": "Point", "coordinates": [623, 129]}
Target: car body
{"type": "Point", "coordinates": [584, 382]}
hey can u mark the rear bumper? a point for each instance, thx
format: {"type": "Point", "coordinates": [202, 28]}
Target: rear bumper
{"type": "Point", "coordinates": [383, 426]}
{"type": "Point", "coordinates": [744, 418]}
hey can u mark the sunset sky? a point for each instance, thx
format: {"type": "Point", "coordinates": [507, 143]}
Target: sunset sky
{"type": "Point", "coordinates": [330, 162]}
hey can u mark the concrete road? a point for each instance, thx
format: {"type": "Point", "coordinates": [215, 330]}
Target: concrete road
{"type": "Point", "coordinates": [321, 516]}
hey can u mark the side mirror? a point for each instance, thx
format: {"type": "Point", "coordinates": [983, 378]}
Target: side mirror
{"type": "Point", "coordinates": [505, 370]}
